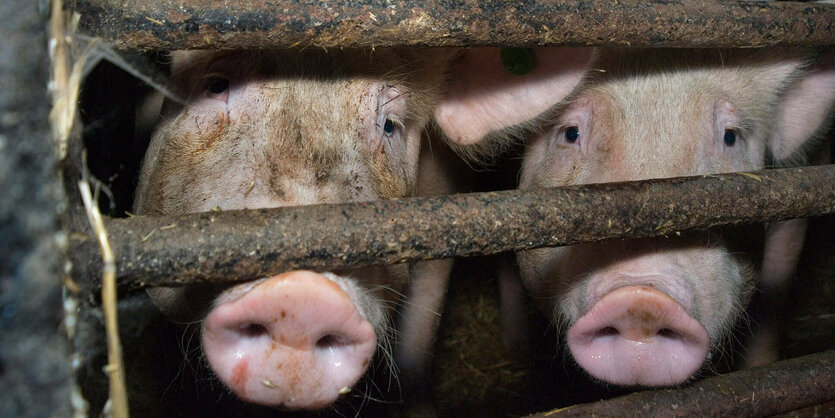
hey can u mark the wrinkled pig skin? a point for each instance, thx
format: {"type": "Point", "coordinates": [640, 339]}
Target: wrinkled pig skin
{"type": "Point", "coordinates": [279, 128]}
{"type": "Point", "coordinates": [648, 312]}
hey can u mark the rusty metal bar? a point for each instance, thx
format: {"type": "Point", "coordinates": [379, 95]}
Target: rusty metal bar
{"type": "Point", "coordinates": [213, 24]}
{"type": "Point", "coordinates": [242, 245]}
{"type": "Point", "coordinates": [780, 387]}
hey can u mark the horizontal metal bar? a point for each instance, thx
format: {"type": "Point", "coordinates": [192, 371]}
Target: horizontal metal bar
{"type": "Point", "coordinates": [243, 245]}
{"type": "Point", "coordinates": [214, 24]}
{"type": "Point", "coordinates": [779, 387]}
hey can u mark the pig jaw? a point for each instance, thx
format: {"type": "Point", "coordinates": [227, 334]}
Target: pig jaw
{"type": "Point", "coordinates": [297, 340]}
{"type": "Point", "coordinates": [636, 315]}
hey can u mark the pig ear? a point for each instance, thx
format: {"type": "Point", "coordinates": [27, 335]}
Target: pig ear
{"type": "Point", "coordinates": [482, 96]}
{"type": "Point", "coordinates": [804, 109]}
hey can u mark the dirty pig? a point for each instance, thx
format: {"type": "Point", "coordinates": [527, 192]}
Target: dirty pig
{"type": "Point", "coordinates": [649, 312]}
{"type": "Point", "coordinates": [279, 128]}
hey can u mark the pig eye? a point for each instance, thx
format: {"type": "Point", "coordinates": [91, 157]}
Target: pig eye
{"type": "Point", "coordinates": [730, 137]}
{"type": "Point", "coordinates": [572, 134]}
{"type": "Point", "coordinates": [218, 85]}
{"type": "Point", "coordinates": [390, 139]}
{"type": "Point", "coordinates": [386, 135]}
{"type": "Point", "coordinates": [218, 88]}
{"type": "Point", "coordinates": [388, 127]}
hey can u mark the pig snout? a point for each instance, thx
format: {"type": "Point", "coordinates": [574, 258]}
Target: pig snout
{"type": "Point", "coordinates": [294, 340]}
{"type": "Point", "coordinates": [637, 335]}
{"type": "Point", "coordinates": [641, 312]}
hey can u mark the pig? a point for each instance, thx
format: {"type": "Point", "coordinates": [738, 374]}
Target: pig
{"type": "Point", "coordinates": [259, 129]}
{"type": "Point", "coordinates": [648, 312]}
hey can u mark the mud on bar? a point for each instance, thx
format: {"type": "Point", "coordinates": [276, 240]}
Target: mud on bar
{"type": "Point", "coordinates": [215, 24]}
{"type": "Point", "coordinates": [249, 244]}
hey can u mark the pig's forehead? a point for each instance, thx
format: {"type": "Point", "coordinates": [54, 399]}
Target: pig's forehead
{"type": "Point", "coordinates": [734, 74]}
{"type": "Point", "coordinates": [655, 60]}
{"type": "Point", "coordinates": [751, 90]}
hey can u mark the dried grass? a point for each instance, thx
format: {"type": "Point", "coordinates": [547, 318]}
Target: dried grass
{"type": "Point", "coordinates": [67, 75]}
{"type": "Point", "coordinates": [118, 403]}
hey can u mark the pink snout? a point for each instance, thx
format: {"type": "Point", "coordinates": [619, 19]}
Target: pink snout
{"type": "Point", "coordinates": [637, 335]}
{"type": "Point", "coordinates": [294, 340]}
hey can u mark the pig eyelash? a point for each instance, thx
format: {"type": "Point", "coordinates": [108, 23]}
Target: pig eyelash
{"type": "Point", "coordinates": [388, 127]}
{"type": "Point", "coordinates": [392, 124]}
{"type": "Point", "coordinates": [389, 122]}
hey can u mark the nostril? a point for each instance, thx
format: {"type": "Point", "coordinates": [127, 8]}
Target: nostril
{"type": "Point", "coordinates": [253, 330]}
{"type": "Point", "coordinates": [607, 331]}
{"type": "Point", "coordinates": [670, 334]}
{"type": "Point", "coordinates": [330, 340]}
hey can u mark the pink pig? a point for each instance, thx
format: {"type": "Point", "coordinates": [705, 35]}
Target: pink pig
{"type": "Point", "coordinates": [278, 128]}
{"type": "Point", "coordinates": [648, 311]}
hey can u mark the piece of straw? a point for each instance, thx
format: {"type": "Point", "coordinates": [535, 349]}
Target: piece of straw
{"type": "Point", "coordinates": [115, 367]}
{"type": "Point", "coordinates": [66, 80]}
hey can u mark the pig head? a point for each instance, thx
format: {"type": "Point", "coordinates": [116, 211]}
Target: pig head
{"type": "Point", "coordinates": [276, 128]}
{"type": "Point", "coordinates": [649, 311]}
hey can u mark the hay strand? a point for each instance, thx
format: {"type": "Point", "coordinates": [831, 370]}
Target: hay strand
{"type": "Point", "coordinates": [115, 369]}
{"type": "Point", "coordinates": [66, 82]}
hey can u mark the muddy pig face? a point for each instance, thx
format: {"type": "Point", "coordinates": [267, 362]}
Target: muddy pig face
{"type": "Point", "coordinates": [278, 128]}
{"type": "Point", "coordinates": [272, 129]}
{"type": "Point", "coordinates": [267, 130]}
{"type": "Point", "coordinates": [647, 311]}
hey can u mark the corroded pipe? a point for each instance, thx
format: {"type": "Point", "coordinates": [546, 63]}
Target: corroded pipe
{"type": "Point", "coordinates": [214, 24]}
{"type": "Point", "coordinates": [244, 245]}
